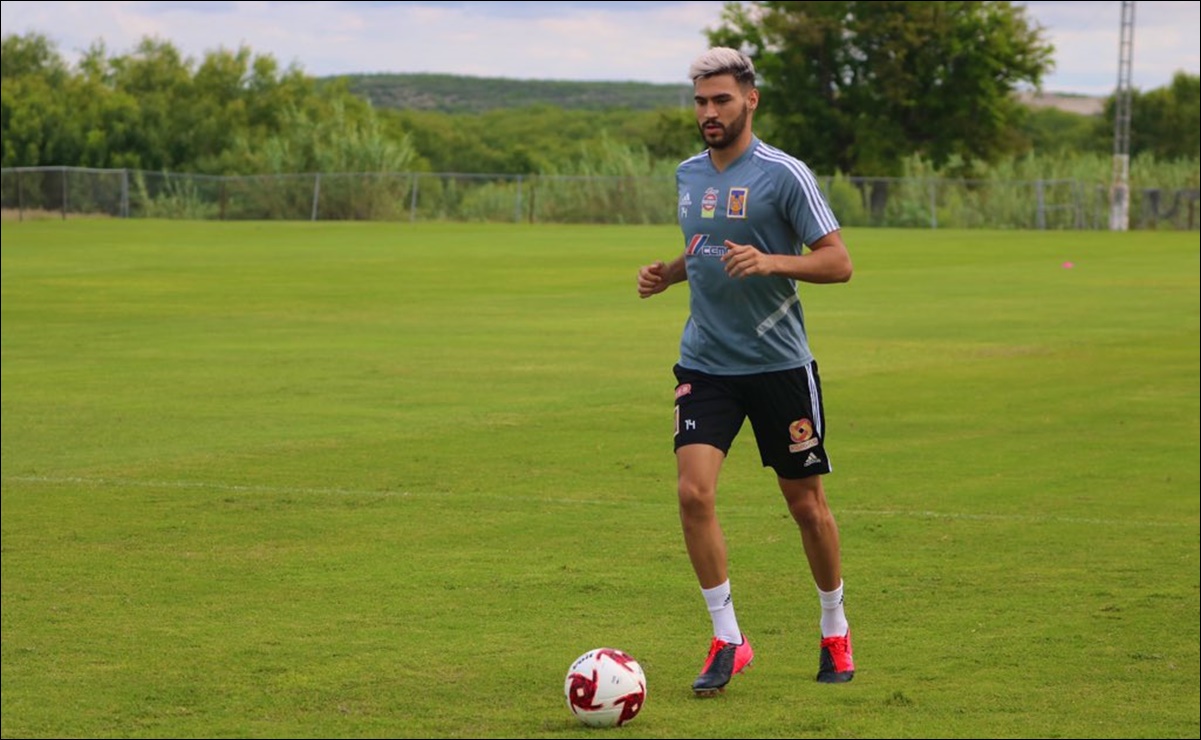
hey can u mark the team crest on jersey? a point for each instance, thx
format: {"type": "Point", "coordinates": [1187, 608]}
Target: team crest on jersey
{"type": "Point", "coordinates": [709, 203]}
{"type": "Point", "coordinates": [801, 432]}
{"type": "Point", "coordinates": [736, 203]}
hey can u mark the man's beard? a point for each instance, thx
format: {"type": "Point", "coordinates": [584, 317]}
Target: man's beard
{"type": "Point", "coordinates": [729, 134]}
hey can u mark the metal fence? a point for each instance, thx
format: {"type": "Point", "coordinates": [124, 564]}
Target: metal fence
{"type": "Point", "coordinates": [35, 192]}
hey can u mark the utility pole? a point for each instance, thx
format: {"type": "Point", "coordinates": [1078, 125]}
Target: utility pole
{"type": "Point", "coordinates": [1119, 195]}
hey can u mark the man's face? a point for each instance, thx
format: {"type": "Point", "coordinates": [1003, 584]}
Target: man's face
{"type": "Point", "coordinates": [722, 110]}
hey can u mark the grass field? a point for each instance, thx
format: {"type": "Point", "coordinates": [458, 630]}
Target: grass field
{"type": "Point", "coordinates": [388, 480]}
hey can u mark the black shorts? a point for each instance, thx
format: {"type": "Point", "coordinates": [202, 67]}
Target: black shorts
{"type": "Point", "coordinates": [785, 410]}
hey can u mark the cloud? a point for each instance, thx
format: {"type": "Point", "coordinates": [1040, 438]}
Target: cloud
{"type": "Point", "coordinates": [606, 40]}
{"type": "Point", "coordinates": [1087, 36]}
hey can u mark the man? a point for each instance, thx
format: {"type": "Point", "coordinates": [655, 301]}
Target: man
{"type": "Point", "coordinates": [747, 210]}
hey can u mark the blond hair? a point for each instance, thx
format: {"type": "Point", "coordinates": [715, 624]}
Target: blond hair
{"type": "Point", "coordinates": [722, 60]}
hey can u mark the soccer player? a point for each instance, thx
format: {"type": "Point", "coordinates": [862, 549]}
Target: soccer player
{"type": "Point", "coordinates": [748, 211]}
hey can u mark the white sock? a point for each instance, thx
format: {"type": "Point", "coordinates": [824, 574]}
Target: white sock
{"type": "Point", "coordinates": [721, 611]}
{"type": "Point", "coordinates": [834, 619]}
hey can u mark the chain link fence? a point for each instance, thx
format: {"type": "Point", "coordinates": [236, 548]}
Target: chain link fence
{"type": "Point", "coordinates": [38, 192]}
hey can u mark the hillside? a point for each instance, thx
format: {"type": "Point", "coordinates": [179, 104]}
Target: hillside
{"type": "Point", "coordinates": [1085, 105]}
{"type": "Point", "coordinates": [459, 94]}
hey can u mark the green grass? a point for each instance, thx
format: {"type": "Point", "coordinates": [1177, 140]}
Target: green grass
{"type": "Point", "coordinates": [389, 480]}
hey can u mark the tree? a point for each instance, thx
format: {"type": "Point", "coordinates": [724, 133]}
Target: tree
{"type": "Point", "coordinates": [1164, 122]}
{"type": "Point", "coordinates": [858, 86]}
{"type": "Point", "coordinates": [674, 135]}
{"type": "Point", "coordinates": [1054, 132]}
{"type": "Point", "coordinates": [31, 55]}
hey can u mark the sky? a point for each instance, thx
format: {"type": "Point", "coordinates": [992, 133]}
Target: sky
{"type": "Point", "coordinates": [618, 41]}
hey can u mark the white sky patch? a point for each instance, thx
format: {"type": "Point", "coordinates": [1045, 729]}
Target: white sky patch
{"type": "Point", "coordinates": [1086, 35]}
{"type": "Point", "coordinates": [640, 41]}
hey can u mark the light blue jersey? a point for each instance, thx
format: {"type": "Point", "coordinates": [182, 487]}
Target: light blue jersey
{"type": "Point", "coordinates": [766, 198]}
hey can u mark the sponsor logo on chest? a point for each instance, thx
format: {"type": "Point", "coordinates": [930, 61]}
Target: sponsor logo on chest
{"type": "Point", "coordinates": [736, 202]}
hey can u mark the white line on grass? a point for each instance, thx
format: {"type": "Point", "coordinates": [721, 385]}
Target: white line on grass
{"type": "Point", "coordinates": [233, 488]}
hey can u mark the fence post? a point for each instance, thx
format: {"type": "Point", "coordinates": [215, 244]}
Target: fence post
{"type": "Point", "coordinates": [316, 193]}
{"type": "Point", "coordinates": [63, 205]}
{"type": "Point", "coordinates": [413, 200]}
{"type": "Point", "coordinates": [1078, 204]}
{"type": "Point", "coordinates": [933, 203]}
{"type": "Point", "coordinates": [517, 204]}
{"type": "Point", "coordinates": [20, 198]}
{"type": "Point", "coordinates": [1040, 218]}
{"type": "Point", "coordinates": [124, 193]}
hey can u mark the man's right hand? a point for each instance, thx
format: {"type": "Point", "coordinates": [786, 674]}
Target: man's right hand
{"type": "Point", "coordinates": [652, 279]}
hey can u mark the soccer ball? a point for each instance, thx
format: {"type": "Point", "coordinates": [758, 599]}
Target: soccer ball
{"type": "Point", "coordinates": [605, 688]}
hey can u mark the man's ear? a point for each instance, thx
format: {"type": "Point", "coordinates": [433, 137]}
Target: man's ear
{"type": "Point", "coordinates": [752, 98]}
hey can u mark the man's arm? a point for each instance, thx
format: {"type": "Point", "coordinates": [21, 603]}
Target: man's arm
{"type": "Point", "coordinates": [658, 276]}
{"type": "Point", "coordinates": [827, 261]}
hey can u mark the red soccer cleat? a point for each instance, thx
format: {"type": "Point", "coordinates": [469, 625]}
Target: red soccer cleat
{"type": "Point", "coordinates": [725, 660]}
{"type": "Point", "coordinates": [836, 664]}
